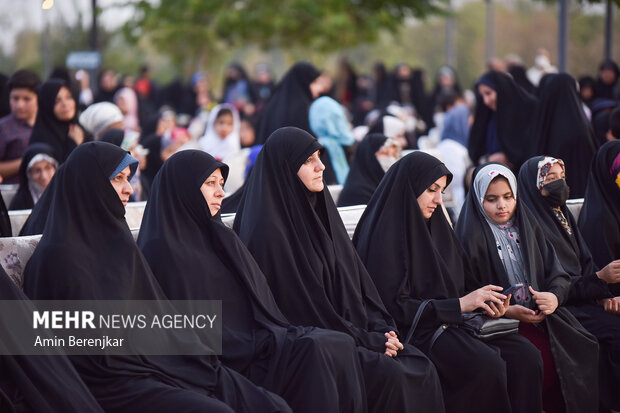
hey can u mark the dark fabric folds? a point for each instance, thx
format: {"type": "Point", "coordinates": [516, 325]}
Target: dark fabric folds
{"type": "Point", "coordinates": [365, 173]}
{"type": "Point", "coordinates": [562, 130]}
{"type": "Point", "coordinates": [290, 102]}
{"type": "Point", "coordinates": [513, 121]}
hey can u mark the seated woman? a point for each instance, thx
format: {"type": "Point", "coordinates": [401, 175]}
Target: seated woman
{"type": "Point", "coordinates": [599, 220]}
{"type": "Point", "coordinates": [35, 173]}
{"type": "Point", "coordinates": [87, 252]}
{"type": "Point", "coordinates": [412, 254]}
{"type": "Point", "coordinates": [194, 256]}
{"type": "Point", "coordinates": [544, 190]}
{"type": "Point", "coordinates": [55, 124]}
{"type": "Point", "coordinates": [37, 384]}
{"type": "Point", "coordinates": [507, 247]}
{"type": "Point", "coordinates": [373, 157]}
{"type": "Point", "coordinates": [290, 224]}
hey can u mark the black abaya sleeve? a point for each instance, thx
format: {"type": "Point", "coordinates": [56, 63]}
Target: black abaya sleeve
{"type": "Point", "coordinates": [557, 281]}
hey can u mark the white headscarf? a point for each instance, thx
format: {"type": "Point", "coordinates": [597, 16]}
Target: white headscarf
{"type": "Point", "coordinates": [212, 143]}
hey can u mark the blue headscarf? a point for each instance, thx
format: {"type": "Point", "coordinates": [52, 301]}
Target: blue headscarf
{"type": "Point", "coordinates": [329, 123]}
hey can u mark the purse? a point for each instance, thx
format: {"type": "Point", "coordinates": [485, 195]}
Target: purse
{"type": "Point", "coordinates": [479, 325]}
{"type": "Point", "coordinates": [487, 328]}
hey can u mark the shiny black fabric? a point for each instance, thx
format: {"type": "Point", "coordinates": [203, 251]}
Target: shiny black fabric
{"type": "Point", "coordinates": [87, 252]}
{"type": "Point", "coordinates": [290, 102]}
{"type": "Point", "coordinates": [586, 287]}
{"type": "Point", "coordinates": [365, 173]}
{"type": "Point", "coordinates": [37, 384]}
{"type": "Point", "coordinates": [599, 219]}
{"type": "Point", "coordinates": [575, 351]}
{"type": "Point", "coordinates": [23, 198]}
{"type": "Point", "coordinates": [47, 128]}
{"type": "Point", "coordinates": [514, 121]}
{"type": "Point", "coordinates": [299, 241]}
{"type": "Point", "coordinates": [562, 130]}
{"type": "Point", "coordinates": [194, 256]}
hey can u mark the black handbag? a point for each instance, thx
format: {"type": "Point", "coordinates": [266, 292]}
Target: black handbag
{"type": "Point", "coordinates": [479, 325]}
{"type": "Point", "coordinates": [487, 328]}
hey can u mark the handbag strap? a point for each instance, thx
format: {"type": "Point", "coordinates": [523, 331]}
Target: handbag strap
{"type": "Point", "coordinates": [416, 320]}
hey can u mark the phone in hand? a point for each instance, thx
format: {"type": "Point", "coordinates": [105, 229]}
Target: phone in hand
{"type": "Point", "coordinates": [512, 288]}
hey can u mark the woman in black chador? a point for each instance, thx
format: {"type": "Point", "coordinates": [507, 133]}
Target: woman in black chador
{"type": "Point", "coordinates": [55, 124]}
{"type": "Point", "coordinates": [290, 102]}
{"type": "Point", "coordinates": [599, 220]}
{"type": "Point", "coordinates": [503, 121]}
{"type": "Point", "coordinates": [194, 256]}
{"type": "Point", "coordinates": [507, 247]}
{"type": "Point", "coordinates": [546, 198]}
{"type": "Point", "coordinates": [562, 130]}
{"type": "Point", "coordinates": [87, 252]}
{"type": "Point", "coordinates": [36, 384]}
{"type": "Point", "coordinates": [412, 255]}
{"type": "Point", "coordinates": [366, 172]}
{"type": "Point", "coordinates": [291, 226]}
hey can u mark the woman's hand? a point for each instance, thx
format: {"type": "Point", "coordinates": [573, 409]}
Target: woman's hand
{"type": "Point", "coordinates": [76, 133]}
{"type": "Point", "coordinates": [392, 344]}
{"type": "Point", "coordinates": [612, 305]}
{"type": "Point", "coordinates": [611, 273]}
{"type": "Point", "coordinates": [546, 302]}
{"type": "Point", "coordinates": [518, 312]}
{"type": "Point", "coordinates": [477, 298]}
{"type": "Point", "coordinates": [500, 309]}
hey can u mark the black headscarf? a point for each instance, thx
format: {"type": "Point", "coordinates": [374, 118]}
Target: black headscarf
{"type": "Point", "coordinates": [37, 383]}
{"type": "Point", "coordinates": [47, 128]}
{"type": "Point", "coordinates": [562, 130]}
{"type": "Point", "coordinates": [290, 102]}
{"type": "Point", "coordinates": [571, 249]}
{"type": "Point", "coordinates": [23, 197]}
{"type": "Point", "coordinates": [409, 258]}
{"type": "Point", "coordinates": [300, 243]}
{"type": "Point", "coordinates": [605, 90]}
{"type": "Point", "coordinates": [599, 219]}
{"type": "Point", "coordinates": [365, 173]}
{"type": "Point", "coordinates": [519, 75]}
{"type": "Point", "coordinates": [178, 236]}
{"type": "Point", "coordinates": [513, 120]}
{"type": "Point", "coordinates": [87, 252]}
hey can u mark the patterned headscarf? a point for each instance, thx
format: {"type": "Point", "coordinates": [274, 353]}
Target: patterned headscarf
{"type": "Point", "coordinates": [543, 169]}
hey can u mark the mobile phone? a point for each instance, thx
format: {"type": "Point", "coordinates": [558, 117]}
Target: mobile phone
{"type": "Point", "coordinates": [512, 288]}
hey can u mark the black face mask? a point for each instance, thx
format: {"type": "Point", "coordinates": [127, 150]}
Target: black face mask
{"type": "Point", "coordinates": [557, 193]}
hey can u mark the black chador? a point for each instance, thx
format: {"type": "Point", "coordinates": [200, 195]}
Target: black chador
{"type": "Point", "coordinates": [365, 173]}
{"type": "Point", "coordinates": [599, 220]}
{"type": "Point", "coordinates": [87, 252]}
{"type": "Point", "coordinates": [317, 279]}
{"type": "Point", "coordinates": [560, 228]}
{"type": "Point", "coordinates": [412, 259]}
{"type": "Point", "coordinates": [574, 352]}
{"type": "Point", "coordinates": [194, 256]}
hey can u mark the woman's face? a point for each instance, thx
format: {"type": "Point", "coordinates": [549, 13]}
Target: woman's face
{"type": "Point", "coordinates": [430, 199]}
{"type": "Point", "coordinates": [64, 107]}
{"type": "Point", "coordinates": [213, 191]}
{"type": "Point", "coordinates": [41, 173]}
{"type": "Point", "coordinates": [311, 173]}
{"type": "Point", "coordinates": [499, 202]}
{"type": "Point", "coordinates": [489, 96]}
{"type": "Point", "coordinates": [555, 172]}
{"type": "Point", "coordinates": [121, 185]}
